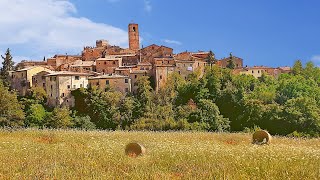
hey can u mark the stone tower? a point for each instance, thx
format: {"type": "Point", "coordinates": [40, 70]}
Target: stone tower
{"type": "Point", "coordinates": [133, 30]}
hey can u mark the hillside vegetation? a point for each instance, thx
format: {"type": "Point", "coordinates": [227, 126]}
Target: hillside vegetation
{"type": "Point", "coordinates": [218, 101]}
{"type": "Point", "coordinates": [34, 154]}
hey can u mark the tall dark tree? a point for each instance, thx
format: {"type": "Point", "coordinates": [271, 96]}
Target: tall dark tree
{"type": "Point", "coordinates": [231, 64]}
{"type": "Point", "coordinates": [297, 68]}
{"type": "Point", "coordinates": [211, 58]}
{"type": "Point", "coordinates": [7, 64]}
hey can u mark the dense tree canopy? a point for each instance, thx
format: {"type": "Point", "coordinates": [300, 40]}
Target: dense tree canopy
{"type": "Point", "coordinates": [218, 100]}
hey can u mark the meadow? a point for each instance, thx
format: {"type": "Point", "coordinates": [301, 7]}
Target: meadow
{"type": "Point", "coordinates": [70, 154]}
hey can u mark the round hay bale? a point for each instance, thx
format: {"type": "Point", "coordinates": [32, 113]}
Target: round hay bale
{"type": "Point", "coordinates": [135, 149]}
{"type": "Point", "coordinates": [261, 137]}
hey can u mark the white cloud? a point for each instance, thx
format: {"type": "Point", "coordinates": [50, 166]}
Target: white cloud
{"type": "Point", "coordinates": [172, 42]}
{"type": "Point", "coordinates": [50, 26]}
{"type": "Point", "coordinates": [316, 58]}
{"type": "Point", "coordinates": [147, 6]}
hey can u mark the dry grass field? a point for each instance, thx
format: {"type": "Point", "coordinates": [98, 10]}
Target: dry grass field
{"type": "Point", "coordinates": [35, 154]}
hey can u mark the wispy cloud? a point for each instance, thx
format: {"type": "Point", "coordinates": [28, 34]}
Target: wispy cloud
{"type": "Point", "coordinates": [51, 28]}
{"type": "Point", "coordinates": [147, 6]}
{"type": "Point", "coordinates": [168, 41]}
{"type": "Point", "coordinates": [316, 59]}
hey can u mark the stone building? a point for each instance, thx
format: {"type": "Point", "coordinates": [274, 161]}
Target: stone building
{"type": "Point", "coordinates": [154, 51]}
{"type": "Point", "coordinates": [21, 80]}
{"type": "Point", "coordinates": [59, 62]}
{"type": "Point", "coordinates": [39, 79]}
{"type": "Point", "coordinates": [134, 76]}
{"type": "Point", "coordinates": [257, 71]}
{"type": "Point", "coordinates": [133, 32]}
{"type": "Point", "coordinates": [82, 66]}
{"type": "Point", "coordinates": [60, 84]}
{"type": "Point", "coordinates": [108, 65]}
{"type": "Point", "coordinates": [114, 82]}
{"type": "Point", "coordinates": [163, 68]}
{"type": "Point", "coordinates": [225, 61]}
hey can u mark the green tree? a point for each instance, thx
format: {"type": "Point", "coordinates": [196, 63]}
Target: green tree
{"type": "Point", "coordinates": [59, 118]}
{"type": "Point", "coordinates": [7, 65]}
{"type": "Point", "coordinates": [231, 64]}
{"type": "Point", "coordinates": [208, 112]}
{"type": "Point", "coordinates": [36, 115]}
{"type": "Point", "coordinates": [297, 68]}
{"type": "Point", "coordinates": [11, 111]}
{"type": "Point", "coordinates": [83, 122]}
{"type": "Point", "coordinates": [211, 60]}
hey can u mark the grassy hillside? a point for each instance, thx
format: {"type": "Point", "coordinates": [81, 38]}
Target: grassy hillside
{"type": "Point", "coordinates": [100, 155]}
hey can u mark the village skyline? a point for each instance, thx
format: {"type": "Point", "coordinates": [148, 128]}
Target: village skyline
{"type": "Point", "coordinates": [271, 33]}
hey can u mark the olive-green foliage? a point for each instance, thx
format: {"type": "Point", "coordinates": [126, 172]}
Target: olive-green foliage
{"type": "Point", "coordinates": [35, 116]}
{"type": "Point", "coordinates": [83, 123]}
{"type": "Point", "coordinates": [59, 118]}
{"type": "Point", "coordinates": [7, 65]}
{"type": "Point", "coordinates": [11, 111]}
{"type": "Point", "coordinates": [214, 101]}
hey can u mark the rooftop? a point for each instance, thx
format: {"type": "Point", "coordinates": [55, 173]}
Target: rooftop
{"type": "Point", "coordinates": [108, 76]}
{"type": "Point", "coordinates": [68, 73]}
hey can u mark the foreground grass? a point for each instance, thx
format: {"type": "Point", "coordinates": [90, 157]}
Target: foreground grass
{"type": "Point", "coordinates": [48, 154]}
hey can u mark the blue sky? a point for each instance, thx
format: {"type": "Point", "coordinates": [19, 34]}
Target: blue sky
{"type": "Point", "coordinates": [273, 33]}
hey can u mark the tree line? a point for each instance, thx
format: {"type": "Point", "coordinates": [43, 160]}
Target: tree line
{"type": "Point", "coordinates": [218, 101]}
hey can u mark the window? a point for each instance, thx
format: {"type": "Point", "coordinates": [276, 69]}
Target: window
{"type": "Point", "coordinates": [179, 72]}
{"type": "Point", "coordinates": [44, 84]}
{"type": "Point", "coordinates": [258, 71]}
{"type": "Point", "coordinates": [74, 86]}
{"type": "Point", "coordinates": [97, 83]}
{"type": "Point", "coordinates": [134, 29]}
{"type": "Point", "coordinates": [252, 72]}
{"type": "Point", "coordinates": [107, 82]}
{"type": "Point", "coordinates": [77, 77]}
{"type": "Point", "coordinates": [168, 62]}
{"type": "Point", "coordinates": [160, 76]}
{"type": "Point", "coordinates": [51, 95]}
{"type": "Point", "coordinates": [126, 80]}
{"type": "Point", "coordinates": [68, 86]}
{"type": "Point", "coordinates": [62, 94]}
{"type": "Point", "coordinates": [51, 87]}
{"type": "Point", "coordinates": [81, 85]}
{"type": "Point", "coordinates": [113, 62]}
{"type": "Point", "coordinates": [135, 76]}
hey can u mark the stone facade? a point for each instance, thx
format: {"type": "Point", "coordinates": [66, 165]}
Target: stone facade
{"type": "Point", "coordinates": [225, 61]}
{"type": "Point", "coordinates": [108, 65]}
{"type": "Point", "coordinates": [21, 80]}
{"type": "Point", "coordinates": [134, 42]}
{"type": "Point", "coordinates": [39, 79]}
{"type": "Point", "coordinates": [60, 84]}
{"type": "Point", "coordinates": [257, 71]}
{"type": "Point", "coordinates": [114, 82]}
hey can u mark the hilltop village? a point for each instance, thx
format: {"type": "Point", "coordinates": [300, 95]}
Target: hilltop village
{"type": "Point", "coordinates": [119, 68]}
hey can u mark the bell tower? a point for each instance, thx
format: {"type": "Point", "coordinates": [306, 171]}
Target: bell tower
{"type": "Point", "coordinates": [133, 30]}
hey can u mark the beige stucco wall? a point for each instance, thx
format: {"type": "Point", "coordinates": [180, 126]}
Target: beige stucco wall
{"type": "Point", "coordinates": [122, 84]}
{"type": "Point", "coordinates": [59, 89]}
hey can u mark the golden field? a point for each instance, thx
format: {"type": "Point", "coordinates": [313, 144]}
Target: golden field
{"type": "Point", "coordinates": [60, 154]}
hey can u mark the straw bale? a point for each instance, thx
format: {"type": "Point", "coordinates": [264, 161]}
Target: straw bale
{"type": "Point", "coordinates": [135, 149]}
{"type": "Point", "coordinates": [261, 137]}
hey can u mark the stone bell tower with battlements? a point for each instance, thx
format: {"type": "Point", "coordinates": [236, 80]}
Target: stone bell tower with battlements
{"type": "Point", "coordinates": [133, 31]}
